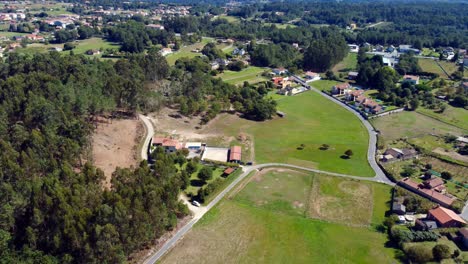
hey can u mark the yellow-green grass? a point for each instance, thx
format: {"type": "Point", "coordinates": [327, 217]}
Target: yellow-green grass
{"type": "Point", "coordinates": [349, 63]}
{"type": "Point", "coordinates": [81, 46]}
{"type": "Point", "coordinates": [240, 231]}
{"type": "Point", "coordinates": [311, 120]}
{"type": "Point", "coordinates": [11, 34]}
{"type": "Point", "coordinates": [196, 183]}
{"type": "Point", "coordinates": [230, 19]}
{"type": "Point", "coordinates": [429, 65]}
{"type": "Point", "coordinates": [94, 43]}
{"type": "Point", "coordinates": [452, 115]}
{"type": "Point", "coordinates": [251, 74]}
{"type": "Point", "coordinates": [324, 85]}
{"type": "Point", "coordinates": [429, 53]}
{"type": "Point", "coordinates": [430, 143]}
{"type": "Point", "coordinates": [449, 67]}
{"type": "Point", "coordinates": [411, 124]}
{"type": "Point", "coordinates": [186, 51]}
{"type": "Point", "coordinates": [280, 25]}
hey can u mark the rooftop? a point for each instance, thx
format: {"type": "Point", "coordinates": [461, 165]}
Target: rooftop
{"type": "Point", "coordinates": [444, 215]}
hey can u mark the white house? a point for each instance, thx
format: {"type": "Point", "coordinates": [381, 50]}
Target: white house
{"type": "Point", "coordinates": [312, 76]}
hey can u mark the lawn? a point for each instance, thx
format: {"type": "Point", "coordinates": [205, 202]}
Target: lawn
{"type": "Point", "coordinates": [429, 53]}
{"type": "Point", "coordinates": [230, 19]}
{"type": "Point", "coordinates": [429, 65]}
{"type": "Point", "coordinates": [186, 51]}
{"type": "Point", "coordinates": [241, 230]}
{"type": "Point", "coordinates": [349, 63]}
{"type": "Point", "coordinates": [324, 85]}
{"type": "Point", "coordinates": [443, 240]}
{"type": "Point", "coordinates": [11, 34]}
{"type": "Point", "coordinates": [452, 115]}
{"type": "Point", "coordinates": [411, 124]}
{"type": "Point", "coordinates": [94, 43]}
{"type": "Point", "coordinates": [81, 46]}
{"type": "Point", "coordinates": [311, 120]}
{"type": "Point", "coordinates": [251, 74]}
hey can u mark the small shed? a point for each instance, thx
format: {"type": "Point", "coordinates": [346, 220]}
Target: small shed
{"type": "Point", "coordinates": [229, 171]}
{"type": "Point", "coordinates": [398, 208]}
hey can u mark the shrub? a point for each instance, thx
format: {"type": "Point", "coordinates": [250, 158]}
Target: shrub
{"type": "Point", "coordinates": [419, 254]}
{"type": "Point", "coordinates": [205, 174]}
{"type": "Point", "coordinates": [441, 252]}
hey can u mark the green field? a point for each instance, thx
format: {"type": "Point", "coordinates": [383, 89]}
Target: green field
{"type": "Point", "coordinates": [411, 124]}
{"type": "Point", "coordinates": [311, 120]}
{"type": "Point", "coordinates": [251, 74]}
{"type": "Point", "coordinates": [81, 46]}
{"type": "Point", "coordinates": [429, 65]}
{"type": "Point", "coordinates": [280, 25]}
{"type": "Point", "coordinates": [324, 85]}
{"type": "Point", "coordinates": [349, 63]}
{"type": "Point", "coordinates": [452, 115]}
{"type": "Point", "coordinates": [186, 51]}
{"type": "Point", "coordinates": [11, 34]}
{"type": "Point", "coordinates": [230, 19]}
{"type": "Point", "coordinates": [444, 241]}
{"type": "Point", "coordinates": [263, 224]}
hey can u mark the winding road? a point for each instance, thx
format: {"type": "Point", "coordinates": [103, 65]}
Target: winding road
{"type": "Point", "coordinates": [379, 174]}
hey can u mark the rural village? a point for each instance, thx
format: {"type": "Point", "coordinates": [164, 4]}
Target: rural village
{"type": "Point", "coordinates": [249, 141]}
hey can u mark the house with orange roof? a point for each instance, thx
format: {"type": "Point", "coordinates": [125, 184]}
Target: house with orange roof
{"type": "Point", "coordinates": [445, 217]}
{"type": "Point", "coordinates": [341, 88]}
{"type": "Point", "coordinates": [170, 145]}
{"type": "Point", "coordinates": [431, 194]}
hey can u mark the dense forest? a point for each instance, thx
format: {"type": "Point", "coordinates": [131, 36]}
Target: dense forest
{"type": "Point", "coordinates": [421, 23]}
{"type": "Point", "coordinates": [53, 208]}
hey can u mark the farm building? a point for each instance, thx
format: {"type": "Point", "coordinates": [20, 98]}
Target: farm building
{"type": "Point", "coordinates": [445, 217]}
{"type": "Point", "coordinates": [235, 154]}
{"type": "Point", "coordinates": [170, 145]}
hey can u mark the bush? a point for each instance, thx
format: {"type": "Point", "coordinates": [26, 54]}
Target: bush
{"type": "Point", "coordinates": [419, 254]}
{"type": "Point", "coordinates": [205, 174]}
{"type": "Point", "coordinates": [441, 252]}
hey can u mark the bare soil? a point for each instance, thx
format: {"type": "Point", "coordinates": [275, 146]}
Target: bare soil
{"type": "Point", "coordinates": [452, 154]}
{"type": "Point", "coordinates": [115, 143]}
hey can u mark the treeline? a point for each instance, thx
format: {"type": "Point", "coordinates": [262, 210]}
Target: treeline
{"type": "Point", "coordinates": [54, 209]}
{"type": "Point", "coordinates": [428, 23]}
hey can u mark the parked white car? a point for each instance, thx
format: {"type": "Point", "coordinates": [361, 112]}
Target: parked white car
{"type": "Point", "coordinates": [195, 203]}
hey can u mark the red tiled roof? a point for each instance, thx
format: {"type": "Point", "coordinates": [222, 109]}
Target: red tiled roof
{"type": "Point", "coordinates": [436, 196]}
{"type": "Point", "coordinates": [342, 86]}
{"type": "Point", "coordinates": [434, 182]}
{"type": "Point", "coordinates": [357, 93]}
{"type": "Point", "coordinates": [312, 74]}
{"type": "Point", "coordinates": [236, 153]}
{"type": "Point", "coordinates": [444, 215]}
{"type": "Point", "coordinates": [229, 171]}
{"type": "Point", "coordinates": [166, 142]}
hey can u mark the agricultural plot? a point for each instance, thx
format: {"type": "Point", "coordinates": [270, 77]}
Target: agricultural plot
{"type": "Point", "coordinates": [265, 223]}
{"type": "Point", "coordinates": [81, 46]}
{"type": "Point", "coordinates": [311, 120]}
{"type": "Point", "coordinates": [452, 115]}
{"type": "Point", "coordinates": [251, 74]}
{"type": "Point", "coordinates": [187, 51]}
{"type": "Point", "coordinates": [411, 124]}
{"type": "Point", "coordinates": [324, 85]}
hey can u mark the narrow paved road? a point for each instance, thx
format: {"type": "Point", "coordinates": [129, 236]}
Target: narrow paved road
{"type": "Point", "coordinates": [379, 177]}
{"type": "Point", "coordinates": [149, 134]}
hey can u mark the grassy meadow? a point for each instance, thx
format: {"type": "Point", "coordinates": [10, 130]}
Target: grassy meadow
{"type": "Point", "coordinates": [412, 124]}
{"type": "Point", "coordinates": [264, 223]}
{"type": "Point", "coordinates": [186, 51]}
{"type": "Point", "coordinates": [251, 74]}
{"type": "Point", "coordinates": [452, 115]}
{"type": "Point", "coordinates": [311, 120]}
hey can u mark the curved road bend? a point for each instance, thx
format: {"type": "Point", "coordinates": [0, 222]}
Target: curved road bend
{"type": "Point", "coordinates": [379, 177]}
{"type": "Point", "coordinates": [149, 134]}
{"type": "Point", "coordinates": [372, 150]}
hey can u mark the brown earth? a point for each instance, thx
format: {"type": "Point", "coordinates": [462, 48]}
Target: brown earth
{"type": "Point", "coordinates": [115, 143]}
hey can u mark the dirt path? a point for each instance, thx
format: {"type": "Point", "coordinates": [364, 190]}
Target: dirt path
{"type": "Point", "coordinates": [115, 145]}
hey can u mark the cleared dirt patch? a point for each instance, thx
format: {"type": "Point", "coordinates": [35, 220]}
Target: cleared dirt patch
{"type": "Point", "coordinates": [115, 144]}
{"type": "Point", "coordinates": [344, 201]}
{"type": "Point", "coordinates": [452, 154]}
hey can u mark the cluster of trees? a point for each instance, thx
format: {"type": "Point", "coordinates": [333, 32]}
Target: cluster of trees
{"type": "Point", "coordinates": [372, 73]}
{"type": "Point", "coordinates": [274, 55]}
{"type": "Point", "coordinates": [197, 92]}
{"type": "Point", "coordinates": [324, 53]}
{"type": "Point", "coordinates": [54, 209]}
{"type": "Point", "coordinates": [135, 37]}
